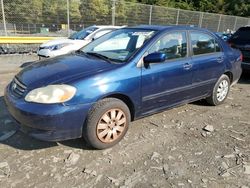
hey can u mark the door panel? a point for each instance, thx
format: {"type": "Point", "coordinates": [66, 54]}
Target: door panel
{"type": "Point", "coordinates": [167, 83]}
{"type": "Point", "coordinates": [208, 62]}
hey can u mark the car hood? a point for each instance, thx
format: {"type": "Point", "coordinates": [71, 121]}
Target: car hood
{"type": "Point", "coordinates": [62, 69]}
{"type": "Point", "coordinates": [63, 41]}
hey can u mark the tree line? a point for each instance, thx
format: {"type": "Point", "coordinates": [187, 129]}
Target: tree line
{"type": "Point", "coordinates": [100, 11]}
{"type": "Point", "coordinates": [230, 7]}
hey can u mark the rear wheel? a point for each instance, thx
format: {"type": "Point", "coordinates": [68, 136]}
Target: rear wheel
{"type": "Point", "coordinates": [220, 91]}
{"type": "Point", "coordinates": [107, 123]}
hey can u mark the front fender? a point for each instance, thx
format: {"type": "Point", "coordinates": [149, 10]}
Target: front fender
{"type": "Point", "coordinates": [124, 81]}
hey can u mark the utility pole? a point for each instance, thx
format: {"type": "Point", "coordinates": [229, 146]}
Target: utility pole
{"type": "Point", "coordinates": [218, 28]}
{"type": "Point", "coordinates": [150, 15]}
{"type": "Point", "coordinates": [68, 18]}
{"type": "Point", "coordinates": [4, 22]}
{"type": "Point", "coordinates": [177, 16]}
{"type": "Point", "coordinates": [113, 12]}
{"type": "Point", "coordinates": [235, 23]}
{"type": "Point", "coordinates": [201, 19]}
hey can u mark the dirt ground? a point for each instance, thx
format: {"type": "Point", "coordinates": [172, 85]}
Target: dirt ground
{"type": "Point", "coordinates": [168, 149]}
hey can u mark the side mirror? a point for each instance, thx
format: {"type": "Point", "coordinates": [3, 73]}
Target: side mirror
{"type": "Point", "coordinates": [155, 57]}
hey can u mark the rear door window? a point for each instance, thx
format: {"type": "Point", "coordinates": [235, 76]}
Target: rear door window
{"type": "Point", "coordinates": [203, 43]}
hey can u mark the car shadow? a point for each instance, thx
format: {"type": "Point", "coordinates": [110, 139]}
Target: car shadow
{"type": "Point", "coordinates": [12, 137]}
{"type": "Point", "coordinates": [202, 102]}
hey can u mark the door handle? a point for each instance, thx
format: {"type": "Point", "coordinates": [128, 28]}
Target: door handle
{"type": "Point", "coordinates": [220, 59]}
{"type": "Point", "coordinates": [187, 66]}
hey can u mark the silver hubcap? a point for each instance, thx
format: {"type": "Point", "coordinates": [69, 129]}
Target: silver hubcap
{"type": "Point", "coordinates": [111, 125]}
{"type": "Point", "coordinates": [222, 90]}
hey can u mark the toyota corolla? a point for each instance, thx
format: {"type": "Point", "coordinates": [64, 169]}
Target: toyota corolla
{"type": "Point", "coordinates": [122, 76]}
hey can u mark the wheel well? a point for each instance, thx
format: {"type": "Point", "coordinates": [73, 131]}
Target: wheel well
{"type": "Point", "coordinates": [127, 101]}
{"type": "Point", "coordinates": [230, 76]}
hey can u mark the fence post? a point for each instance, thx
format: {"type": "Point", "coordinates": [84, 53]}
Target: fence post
{"type": "Point", "coordinates": [150, 15]}
{"type": "Point", "coordinates": [235, 23]}
{"type": "Point", "coordinates": [218, 28]}
{"type": "Point", "coordinates": [201, 19]}
{"type": "Point", "coordinates": [14, 28]}
{"type": "Point", "coordinates": [68, 28]}
{"type": "Point", "coordinates": [177, 17]}
{"type": "Point", "coordinates": [4, 23]}
{"type": "Point", "coordinates": [113, 12]}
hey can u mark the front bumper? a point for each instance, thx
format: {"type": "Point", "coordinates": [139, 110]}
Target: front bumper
{"type": "Point", "coordinates": [53, 122]}
{"type": "Point", "coordinates": [46, 53]}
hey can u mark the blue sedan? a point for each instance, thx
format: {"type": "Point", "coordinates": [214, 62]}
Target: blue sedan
{"type": "Point", "coordinates": [122, 76]}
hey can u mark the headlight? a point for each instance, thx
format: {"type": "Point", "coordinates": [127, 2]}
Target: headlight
{"type": "Point", "coordinates": [51, 94]}
{"type": "Point", "coordinates": [58, 46]}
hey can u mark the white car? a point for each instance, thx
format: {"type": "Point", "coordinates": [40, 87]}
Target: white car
{"type": "Point", "coordinates": [76, 41]}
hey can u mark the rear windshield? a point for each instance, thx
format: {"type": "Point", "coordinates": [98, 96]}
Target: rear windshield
{"type": "Point", "coordinates": [242, 34]}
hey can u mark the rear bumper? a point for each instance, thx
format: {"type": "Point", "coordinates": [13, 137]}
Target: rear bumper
{"type": "Point", "coordinates": [53, 122]}
{"type": "Point", "coordinates": [237, 71]}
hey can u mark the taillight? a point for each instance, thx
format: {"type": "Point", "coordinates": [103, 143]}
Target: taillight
{"type": "Point", "coordinates": [241, 57]}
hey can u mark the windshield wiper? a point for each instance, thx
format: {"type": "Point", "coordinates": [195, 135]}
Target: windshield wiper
{"type": "Point", "coordinates": [100, 56]}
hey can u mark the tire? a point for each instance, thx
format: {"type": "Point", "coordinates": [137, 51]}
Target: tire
{"type": "Point", "coordinates": [220, 91]}
{"type": "Point", "coordinates": [107, 123]}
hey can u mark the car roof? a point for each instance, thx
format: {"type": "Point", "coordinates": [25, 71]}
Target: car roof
{"type": "Point", "coordinates": [107, 26]}
{"type": "Point", "coordinates": [167, 27]}
{"type": "Point", "coordinates": [151, 27]}
{"type": "Point", "coordinates": [244, 27]}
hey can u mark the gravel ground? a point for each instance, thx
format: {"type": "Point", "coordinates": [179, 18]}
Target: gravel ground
{"type": "Point", "coordinates": [194, 145]}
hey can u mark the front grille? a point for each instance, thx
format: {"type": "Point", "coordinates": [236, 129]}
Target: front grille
{"type": "Point", "coordinates": [17, 88]}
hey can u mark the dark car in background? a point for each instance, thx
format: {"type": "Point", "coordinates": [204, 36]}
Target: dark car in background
{"type": "Point", "coordinates": [122, 76]}
{"type": "Point", "coordinates": [241, 40]}
{"type": "Point", "coordinates": [224, 36]}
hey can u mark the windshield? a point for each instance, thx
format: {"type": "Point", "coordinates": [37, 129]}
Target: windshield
{"type": "Point", "coordinates": [119, 45]}
{"type": "Point", "coordinates": [83, 34]}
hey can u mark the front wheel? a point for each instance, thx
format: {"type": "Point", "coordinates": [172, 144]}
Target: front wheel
{"type": "Point", "coordinates": [107, 123]}
{"type": "Point", "coordinates": [220, 91]}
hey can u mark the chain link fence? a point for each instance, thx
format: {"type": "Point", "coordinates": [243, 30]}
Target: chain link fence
{"type": "Point", "coordinates": [61, 17]}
